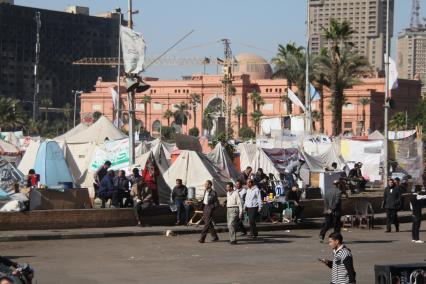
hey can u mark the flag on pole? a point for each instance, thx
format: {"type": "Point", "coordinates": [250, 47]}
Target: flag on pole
{"type": "Point", "coordinates": [292, 96]}
{"type": "Point", "coordinates": [315, 96]}
{"type": "Point", "coordinates": [115, 97]}
{"type": "Point", "coordinates": [393, 74]}
{"type": "Point", "coordinates": [134, 47]}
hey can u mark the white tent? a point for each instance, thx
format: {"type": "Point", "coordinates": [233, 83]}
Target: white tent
{"type": "Point", "coordinates": [98, 132]}
{"type": "Point", "coordinates": [194, 169]}
{"type": "Point", "coordinates": [163, 187]}
{"type": "Point", "coordinates": [247, 153]}
{"type": "Point", "coordinates": [29, 157]}
{"type": "Point", "coordinates": [219, 157]}
{"type": "Point", "coordinates": [70, 133]}
{"type": "Point", "coordinates": [274, 161]}
{"type": "Point", "coordinates": [78, 158]}
{"type": "Point", "coordinates": [167, 147]}
{"type": "Point", "coordinates": [142, 148]}
{"type": "Point", "coordinates": [318, 163]}
{"type": "Point", "coordinates": [376, 135]}
{"type": "Point", "coordinates": [159, 156]}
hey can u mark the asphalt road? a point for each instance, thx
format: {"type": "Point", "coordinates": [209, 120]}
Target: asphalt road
{"type": "Point", "coordinates": [278, 257]}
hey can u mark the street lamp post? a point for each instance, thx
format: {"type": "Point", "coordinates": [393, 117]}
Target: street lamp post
{"type": "Point", "coordinates": [75, 103]}
{"type": "Point", "coordinates": [386, 105]}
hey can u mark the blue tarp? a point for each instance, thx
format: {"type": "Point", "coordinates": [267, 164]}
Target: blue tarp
{"type": "Point", "coordinates": [51, 166]}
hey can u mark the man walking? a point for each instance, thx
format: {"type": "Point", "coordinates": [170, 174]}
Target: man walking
{"type": "Point", "coordinates": [342, 265]}
{"type": "Point", "coordinates": [253, 205]}
{"type": "Point", "coordinates": [242, 192]}
{"type": "Point", "coordinates": [332, 210]}
{"type": "Point", "coordinates": [416, 205]}
{"type": "Point", "coordinates": [392, 203]}
{"type": "Point", "coordinates": [210, 203]}
{"type": "Point", "coordinates": [179, 197]}
{"type": "Point", "coordinates": [234, 209]}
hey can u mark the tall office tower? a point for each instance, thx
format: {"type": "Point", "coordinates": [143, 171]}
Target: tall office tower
{"type": "Point", "coordinates": [367, 18]}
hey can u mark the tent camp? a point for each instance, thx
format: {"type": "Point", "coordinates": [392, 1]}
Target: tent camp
{"type": "Point", "coordinates": [70, 133]}
{"type": "Point", "coordinates": [98, 132]}
{"type": "Point", "coordinates": [219, 157]}
{"type": "Point", "coordinates": [247, 153]}
{"type": "Point", "coordinates": [376, 135]}
{"type": "Point", "coordinates": [50, 164]}
{"type": "Point", "coordinates": [274, 160]}
{"type": "Point", "coordinates": [9, 175]}
{"type": "Point", "coordinates": [167, 147]}
{"type": "Point", "coordinates": [318, 163]}
{"type": "Point", "coordinates": [142, 148]}
{"type": "Point", "coordinates": [159, 156]}
{"type": "Point", "coordinates": [194, 169]}
{"type": "Point", "coordinates": [29, 157]}
{"type": "Point", "coordinates": [78, 157]}
{"type": "Point", "coordinates": [148, 161]}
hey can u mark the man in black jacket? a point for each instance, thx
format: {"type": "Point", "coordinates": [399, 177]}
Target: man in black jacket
{"type": "Point", "coordinates": [392, 203]}
{"type": "Point", "coordinates": [332, 210]}
{"type": "Point", "coordinates": [180, 197]}
{"type": "Point", "coordinates": [210, 203]}
{"type": "Point", "coordinates": [416, 204]}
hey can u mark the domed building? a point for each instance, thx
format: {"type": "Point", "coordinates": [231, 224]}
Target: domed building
{"type": "Point", "coordinates": [253, 65]}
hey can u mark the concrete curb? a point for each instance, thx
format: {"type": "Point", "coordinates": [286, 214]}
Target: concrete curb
{"type": "Point", "coordinates": [152, 231]}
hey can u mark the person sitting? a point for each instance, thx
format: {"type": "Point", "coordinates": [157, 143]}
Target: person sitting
{"type": "Point", "coordinates": [356, 178]}
{"type": "Point", "coordinates": [122, 184]}
{"type": "Point", "coordinates": [261, 181]}
{"type": "Point", "coordinates": [108, 191]}
{"type": "Point", "coordinates": [149, 174]}
{"type": "Point", "coordinates": [100, 173]}
{"type": "Point", "coordinates": [180, 198]}
{"type": "Point", "coordinates": [245, 175]}
{"type": "Point", "coordinates": [143, 201]}
{"type": "Point", "coordinates": [32, 178]}
{"type": "Point", "coordinates": [293, 196]}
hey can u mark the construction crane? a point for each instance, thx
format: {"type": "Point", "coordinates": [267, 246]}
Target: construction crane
{"type": "Point", "coordinates": [415, 22]}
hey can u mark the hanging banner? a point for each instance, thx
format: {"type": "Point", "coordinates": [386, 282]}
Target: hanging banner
{"type": "Point", "coordinates": [133, 46]}
{"type": "Point", "coordinates": [117, 152]}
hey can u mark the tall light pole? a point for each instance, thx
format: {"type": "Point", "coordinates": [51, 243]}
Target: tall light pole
{"type": "Point", "coordinates": [118, 116]}
{"type": "Point", "coordinates": [387, 104]}
{"type": "Point", "coordinates": [308, 118]}
{"type": "Point", "coordinates": [76, 93]}
{"type": "Point", "coordinates": [37, 59]}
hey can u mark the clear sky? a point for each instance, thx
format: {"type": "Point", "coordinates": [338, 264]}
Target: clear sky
{"type": "Point", "coordinates": [262, 24]}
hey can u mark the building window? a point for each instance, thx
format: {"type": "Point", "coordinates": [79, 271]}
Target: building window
{"type": "Point", "coordinates": [348, 125]}
{"type": "Point", "coordinates": [157, 106]}
{"type": "Point", "coordinates": [96, 107]}
{"type": "Point", "coordinates": [348, 106]}
{"type": "Point", "coordinates": [156, 126]}
{"type": "Point", "coordinates": [268, 107]}
{"type": "Point", "coordinates": [140, 107]}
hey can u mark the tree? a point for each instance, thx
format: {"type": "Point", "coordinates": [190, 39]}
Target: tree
{"type": "Point", "coordinates": [208, 118]}
{"type": "Point", "coordinates": [167, 115]}
{"type": "Point", "coordinates": [96, 116]}
{"type": "Point", "coordinates": [398, 122]}
{"type": "Point", "coordinates": [246, 133]}
{"type": "Point", "coordinates": [319, 82]}
{"type": "Point", "coordinates": [289, 104]}
{"type": "Point", "coordinates": [290, 64]}
{"type": "Point", "coordinates": [168, 133]}
{"type": "Point", "coordinates": [238, 112]}
{"type": "Point", "coordinates": [256, 100]}
{"type": "Point", "coordinates": [195, 101]}
{"type": "Point", "coordinates": [146, 99]}
{"type": "Point", "coordinates": [11, 114]}
{"type": "Point", "coordinates": [67, 113]}
{"type": "Point", "coordinates": [340, 67]}
{"type": "Point", "coordinates": [363, 102]}
{"type": "Point", "coordinates": [194, 132]}
{"type": "Point", "coordinates": [256, 116]}
{"type": "Point", "coordinates": [46, 102]}
{"type": "Point", "coordinates": [181, 114]}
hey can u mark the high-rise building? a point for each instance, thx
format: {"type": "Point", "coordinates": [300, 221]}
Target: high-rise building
{"type": "Point", "coordinates": [411, 52]}
{"type": "Point", "coordinates": [64, 38]}
{"type": "Point", "coordinates": [367, 18]}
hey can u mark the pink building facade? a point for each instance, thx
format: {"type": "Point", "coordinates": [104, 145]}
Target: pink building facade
{"type": "Point", "coordinates": [253, 74]}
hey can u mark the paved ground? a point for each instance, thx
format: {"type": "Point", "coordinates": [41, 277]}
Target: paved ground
{"type": "Point", "coordinates": [279, 257]}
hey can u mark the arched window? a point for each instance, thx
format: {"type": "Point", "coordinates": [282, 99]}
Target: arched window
{"type": "Point", "coordinates": [156, 126]}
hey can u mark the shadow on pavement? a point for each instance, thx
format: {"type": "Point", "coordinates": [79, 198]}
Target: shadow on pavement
{"type": "Point", "coordinates": [370, 242]}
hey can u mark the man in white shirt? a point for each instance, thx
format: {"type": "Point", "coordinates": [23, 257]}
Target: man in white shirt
{"type": "Point", "coordinates": [253, 205]}
{"type": "Point", "coordinates": [242, 192]}
{"type": "Point", "coordinates": [234, 209]}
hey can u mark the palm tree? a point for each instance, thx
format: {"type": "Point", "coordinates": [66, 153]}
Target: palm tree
{"type": "Point", "coordinates": [167, 115]}
{"type": "Point", "coordinates": [319, 82]}
{"type": "Point", "coordinates": [195, 101]}
{"type": "Point", "coordinates": [146, 99]}
{"type": "Point", "coordinates": [67, 113]}
{"type": "Point", "coordinates": [208, 118]}
{"type": "Point", "coordinates": [256, 116]}
{"type": "Point", "coordinates": [181, 114]}
{"type": "Point", "coordinates": [289, 104]}
{"type": "Point", "coordinates": [340, 67]}
{"type": "Point", "coordinates": [46, 102]}
{"type": "Point", "coordinates": [290, 63]}
{"type": "Point", "coordinates": [238, 112]}
{"type": "Point", "coordinates": [11, 115]}
{"type": "Point", "coordinates": [255, 97]}
{"type": "Point", "coordinates": [398, 121]}
{"type": "Point", "coordinates": [315, 117]}
{"type": "Point", "coordinates": [363, 102]}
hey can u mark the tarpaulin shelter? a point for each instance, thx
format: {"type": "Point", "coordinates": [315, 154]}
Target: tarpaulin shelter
{"type": "Point", "coordinates": [148, 160]}
{"type": "Point", "coordinates": [99, 132]}
{"type": "Point", "coordinates": [194, 169]}
{"type": "Point", "coordinates": [72, 132]}
{"type": "Point", "coordinates": [247, 153]}
{"type": "Point", "coordinates": [9, 175]}
{"type": "Point", "coordinates": [219, 157]}
{"type": "Point", "coordinates": [274, 160]}
{"type": "Point", "coordinates": [159, 156]}
{"type": "Point", "coordinates": [318, 163]}
{"type": "Point", "coordinates": [50, 164]}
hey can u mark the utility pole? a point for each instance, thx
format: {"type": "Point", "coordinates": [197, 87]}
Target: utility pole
{"type": "Point", "coordinates": [76, 93]}
{"type": "Point", "coordinates": [308, 118]}
{"type": "Point", "coordinates": [387, 104]}
{"type": "Point", "coordinates": [118, 116]}
{"type": "Point", "coordinates": [131, 100]}
{"type": "Point", "coordinates": [130, 22]}
{"type": "Point", "coordinates": [37, 59]}
{"type": "Point", "coordinates": [226, 84]}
